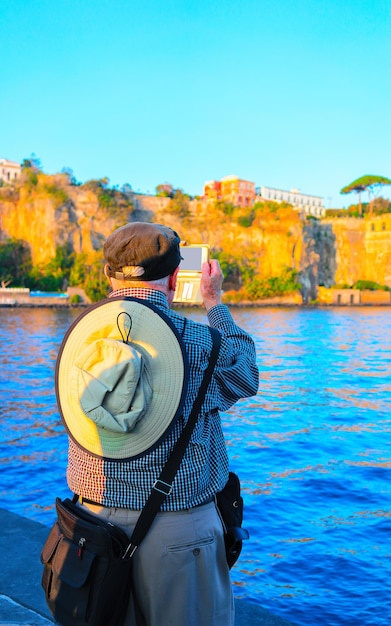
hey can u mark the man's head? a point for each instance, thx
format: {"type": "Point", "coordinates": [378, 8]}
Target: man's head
{"type": "Point", "coordinates": [140, 251]}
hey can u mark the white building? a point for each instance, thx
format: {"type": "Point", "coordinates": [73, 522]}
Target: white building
{"type": "Point", "coordinates": [9, 171]}
{"type": "Point", "coordinates": [311, 205]}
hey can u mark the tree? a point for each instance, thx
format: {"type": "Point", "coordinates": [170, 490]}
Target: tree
{"type": "Point", "coordinates": [126, 189]}
{"type": "Point", "coordinates": [31, 167]}
{"type": "Point", "coordinates": [179, 204]}
{"type": "Point", "coordinates": [33, 162]}
{"type": "Point", "coordinates": [370, 183]}
{"type": "Point", "coordinates": [15, 261]}
{"type": "Point", "coordinates": [225, 207]}
{"type": "Point", "coordinates": [165, 190]}
{"type": "Point", "coordinates": [68, 171]}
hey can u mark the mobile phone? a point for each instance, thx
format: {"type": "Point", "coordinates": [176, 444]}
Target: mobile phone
{"type": "Point", "coordinates": [193, 257]}
{"type": "Point", "coordinates": [189, 276]}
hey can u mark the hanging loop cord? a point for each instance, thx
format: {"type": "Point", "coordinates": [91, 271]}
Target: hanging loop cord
{"type": "Point", "coordinates": [126, 326]}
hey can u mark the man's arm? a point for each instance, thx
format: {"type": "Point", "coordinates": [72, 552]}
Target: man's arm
{"type": "Point", "coordinates": [236, 372]}
{"type": "Point", "coordinates": [211, 283]}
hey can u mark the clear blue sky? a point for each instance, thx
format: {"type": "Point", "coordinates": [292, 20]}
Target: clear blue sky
{"type": "Point", "coordinates": [289, 93]}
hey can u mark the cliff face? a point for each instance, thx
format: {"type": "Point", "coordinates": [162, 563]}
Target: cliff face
{"type": "Point", "coordinates": [336, 251]}
{"type": "Point", "coordinates": [363, 249]}
{"type": "Point", "coordinates": [53, 213]}
{"type": "Point", "coordinates": [318, 261]}
{"type": "Point", "coordinates": [273, 241]}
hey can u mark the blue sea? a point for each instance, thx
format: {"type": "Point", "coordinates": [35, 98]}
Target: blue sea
{"type": "Point", "coordinates": [312, 450]}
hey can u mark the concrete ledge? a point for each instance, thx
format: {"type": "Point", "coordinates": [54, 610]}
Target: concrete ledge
{"type": "Point", "coordinates": [21, 597]}
{"type": "Point", "coordinates": [22, 601]}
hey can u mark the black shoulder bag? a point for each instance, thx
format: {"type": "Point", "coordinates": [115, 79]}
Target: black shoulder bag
{"type": "Point", "coordinates": [87, 575]}
{"type": "Point", "coordinates": [230, 508]}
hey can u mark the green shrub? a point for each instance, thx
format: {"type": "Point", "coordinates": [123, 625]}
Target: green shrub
{"type": "Point", "coordinates": [371, 285]}
{"type": "Point", "coordinates": [281, 285]}
{"type": "Point", "coordinates": [15, 261]}
{"type": "Point", "coordinates": [59, 195]}
{"type": "Point", "coordinates": [41, 280]}
{"type": "Point", "coordinates": [246, 220]}
{"type": "Point", "coordinates": [227, 208]}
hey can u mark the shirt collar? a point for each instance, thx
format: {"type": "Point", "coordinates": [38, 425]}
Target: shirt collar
{"type": "Point", "coordinates": [152, 295]}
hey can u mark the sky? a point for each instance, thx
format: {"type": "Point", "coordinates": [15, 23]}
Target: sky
{"type": "Point", "coordinates": [284, 93]}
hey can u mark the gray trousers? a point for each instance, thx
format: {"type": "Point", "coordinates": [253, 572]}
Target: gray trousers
{"type": "Point", "coordinates": [181, 577]}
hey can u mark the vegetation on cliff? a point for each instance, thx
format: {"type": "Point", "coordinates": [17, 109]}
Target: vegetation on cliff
{"type": "Point", "coordinates": [61, 209]}
{"type": "Point", "coordinates": [370, 183]}
{"type": "Point", "coordinates": [379, 206]}
{"type": "Point", "coordinates": [52, 231]}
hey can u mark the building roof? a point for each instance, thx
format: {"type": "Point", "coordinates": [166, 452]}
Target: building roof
{"type": "Point", "coordinates": [296, 192]}
{"type": "Point", "coordinates": [8, 163]}
{"type": "Point", "coordinates": [230, 177]}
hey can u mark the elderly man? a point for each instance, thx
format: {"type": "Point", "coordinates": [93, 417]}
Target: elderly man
{"type": "Point", "coordinates": [181, 577]}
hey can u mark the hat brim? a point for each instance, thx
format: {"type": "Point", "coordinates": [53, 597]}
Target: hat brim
{"type": "Point", "coordinates": [159, 342]}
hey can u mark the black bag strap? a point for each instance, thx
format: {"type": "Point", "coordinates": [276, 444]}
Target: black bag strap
{"type": "Point", "coordinates": [163, 485]}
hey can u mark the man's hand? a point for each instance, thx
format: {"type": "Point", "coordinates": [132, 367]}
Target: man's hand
{"type": "Point", "coordinates": [211, 282]}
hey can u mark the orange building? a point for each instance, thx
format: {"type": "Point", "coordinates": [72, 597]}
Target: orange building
{"type": "Point", "coordinates": [230, 189]}
{"type": "Point", "coordinates": [212, 190]}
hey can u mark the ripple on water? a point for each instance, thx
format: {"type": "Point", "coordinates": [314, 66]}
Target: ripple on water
{"type": "Point", "coordinates": [312, 450]}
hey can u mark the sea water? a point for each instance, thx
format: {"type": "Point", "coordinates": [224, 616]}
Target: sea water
{"type": "Point", "coordinates": [312, 450]}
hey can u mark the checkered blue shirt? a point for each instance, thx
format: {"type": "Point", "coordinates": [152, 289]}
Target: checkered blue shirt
{"type": "Point", "coordinates": [204, 468]}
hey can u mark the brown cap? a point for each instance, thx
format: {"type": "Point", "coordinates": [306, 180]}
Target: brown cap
{"type": "Point", "coordinates": [142, 251]}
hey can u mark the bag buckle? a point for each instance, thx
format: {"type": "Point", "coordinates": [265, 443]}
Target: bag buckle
{"type": "Point", "coordinates": [163, 487]}
{"type": "Point", "coordinates": [130, 550]}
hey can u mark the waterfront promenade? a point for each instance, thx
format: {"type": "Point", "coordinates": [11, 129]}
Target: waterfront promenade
{"type": "Point", "coordinates": [22, 600]}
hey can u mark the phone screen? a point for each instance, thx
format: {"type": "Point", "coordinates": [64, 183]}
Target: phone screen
{"type": "Point", "coordinates": [192, 259]}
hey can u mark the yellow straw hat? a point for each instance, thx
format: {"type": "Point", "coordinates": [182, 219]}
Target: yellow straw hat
{"type": "Point", "coordinates": [121, 378]}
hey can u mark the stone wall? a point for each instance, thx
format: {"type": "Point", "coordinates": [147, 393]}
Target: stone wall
{"type": "Point", "coordinates": [363, 249]}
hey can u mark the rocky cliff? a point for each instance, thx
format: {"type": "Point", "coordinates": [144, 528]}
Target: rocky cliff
{"type": "Point", "coordinates": [51, 213]}
{"type": "Point", "coordinates": [362, 249]}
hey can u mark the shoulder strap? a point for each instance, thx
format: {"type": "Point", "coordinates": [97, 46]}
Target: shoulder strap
{"type": "Point", "coordinates": [163, 485]}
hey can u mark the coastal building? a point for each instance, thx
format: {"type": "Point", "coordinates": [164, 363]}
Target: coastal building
{"type": "Point", "coordinates": [311, 205]}
{"type": "Point", "coordinates": [9, 171]}
{"type": "Point", "coordinates": [242, 193]}
{"type": "Point", "coordinates": [230, 189]}
{"type": "Point", "coordinates": [212, 190]}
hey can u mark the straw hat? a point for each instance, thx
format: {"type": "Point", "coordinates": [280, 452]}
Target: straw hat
{"type": "Point", "coordinates": [121, 378]}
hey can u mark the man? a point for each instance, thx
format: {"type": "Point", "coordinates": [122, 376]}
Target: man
{"type": "Point", "coordinates": [181, 576]}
